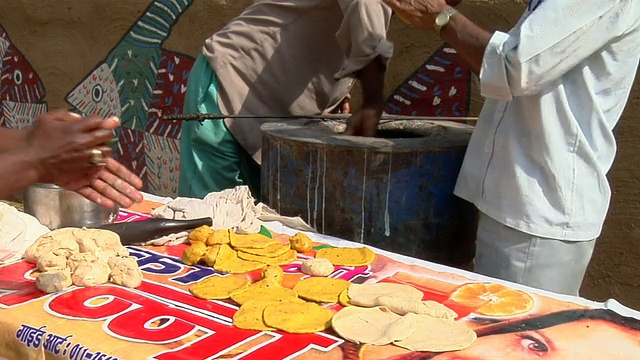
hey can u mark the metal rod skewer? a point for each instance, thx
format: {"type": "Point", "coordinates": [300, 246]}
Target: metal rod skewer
{"type": "Point", "coordinates": [201, 117]}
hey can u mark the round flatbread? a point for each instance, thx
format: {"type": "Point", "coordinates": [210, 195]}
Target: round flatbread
{"type": "Point", "coordinates": [347, 256]}
{"type": "Point", "coordinates": [367, 294]}
{"type": "Point", "coordinates": [271, 251]}
{"type": "Point", "coordinates": [219, 287]}
{"type": "Point", "coordinates": [297, 318]}
{"type": "Point", "coordinates": [285, 258]}
{"type": "Point", "coordinates": [372, 326]}
{"type": "Point", "coordinates": [250, 314]}
{"type": "Point", "coordinates": [264, 290]}
{"type": "Point", "coordinates": [320, 289]}
{"type": "Point", "coordinates": [436, 335]}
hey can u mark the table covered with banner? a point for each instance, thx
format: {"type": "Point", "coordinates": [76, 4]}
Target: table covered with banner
{"type": "Point", "coordinates": [161, 319]}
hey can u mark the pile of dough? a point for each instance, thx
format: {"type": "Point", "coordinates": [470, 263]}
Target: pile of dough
{"type": "Point", "coordinates": [82, 257]}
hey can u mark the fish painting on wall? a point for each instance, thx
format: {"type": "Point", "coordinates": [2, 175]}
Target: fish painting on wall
{"type": "Point", "coordinates": [138, 82]}
{"type": "Point", "coordinates": [441, 87]}
{"type": "Point", "coordinates": [21, 89]}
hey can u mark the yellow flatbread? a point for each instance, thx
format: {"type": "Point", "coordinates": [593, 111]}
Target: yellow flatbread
{"type": "Point", "coordinates": [347, 256]}
{"type": "Point", "coordinates": [250, 314]}
{"type": "Point", "coordinates": [264, 290]}
{"type": "Point", "coordinates": [274, 250]}
{"type": "Point", "coordinates": [284, 259]}
{"type": "Point", "coordinates": [219, 287]}
{"type": "Point", "coordinates": [227, 261]}
{"type": "Point", "coordinates": [320, 289]}
{"type": "Point", "coordinates": [297, 318]}
{"type": "Point", "coordinates": [343, 298]}
{"type": "Point", "coordinates": [253, 241]}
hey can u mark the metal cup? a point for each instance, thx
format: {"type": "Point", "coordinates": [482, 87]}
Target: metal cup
{"type": "Point", "coordinates": [56, 208]}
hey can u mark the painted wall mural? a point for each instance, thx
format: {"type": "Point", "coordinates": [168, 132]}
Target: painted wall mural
{"type": "Point", "coordinates": [21, 90]}
{"type": "Point", "coordinates": [439, 87]}
{"type": "Point", "coordinates": [139, 81]}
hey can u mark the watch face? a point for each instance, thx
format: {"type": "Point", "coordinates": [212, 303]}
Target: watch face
{"type": "Point", "coordinates": [441, 19]}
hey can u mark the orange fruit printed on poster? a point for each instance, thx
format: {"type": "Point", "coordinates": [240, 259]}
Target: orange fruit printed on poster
{"type": "Point", "coordinates": [492, 299]}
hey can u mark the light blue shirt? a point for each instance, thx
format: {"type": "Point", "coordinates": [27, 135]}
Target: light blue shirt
{"type": "Point", "coordinates": [556, 86]}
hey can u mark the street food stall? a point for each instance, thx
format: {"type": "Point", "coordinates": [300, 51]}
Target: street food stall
{"type": "Point", "coordinates": [269, 295]}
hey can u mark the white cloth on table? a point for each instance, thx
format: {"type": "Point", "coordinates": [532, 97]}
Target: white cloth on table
{"type": "Point", "coordinates": [229, 209]}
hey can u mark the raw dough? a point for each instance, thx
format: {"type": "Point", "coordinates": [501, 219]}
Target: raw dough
{"type": "Point", "coordinates": [436, 335]}
{"type": "Point", "coordinates": [51, 261]}
{"type": "Point", "coordinates": [91, 273]}
{"type": "Point", "coordinates": [62, 241]}
{"type": "Point", "coordinates": [54, 280]}
{"type": "Point", "coordinates": [93, 240]}
{"type": "Point", "coordinates": [373, 326]}
{"type": "Point", "coordinates": [66, 246]}
{"type": "Point", "coordinates": [367, 294]}
{"type": "Point", "coordinates": [317, 267]}
{"type": "Point", "coordinates": [75, 259]}
{"type": "Point", "coordinates": [125, 271]}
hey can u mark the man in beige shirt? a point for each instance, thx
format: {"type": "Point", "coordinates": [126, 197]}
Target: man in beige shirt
{"type": "Point", "coordinates": [279, 57]}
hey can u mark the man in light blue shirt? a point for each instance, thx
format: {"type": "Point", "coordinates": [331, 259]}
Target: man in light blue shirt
{"type": "Point", "coordinates": [555, 87]}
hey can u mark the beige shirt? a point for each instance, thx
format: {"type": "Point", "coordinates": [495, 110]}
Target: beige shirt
{"type": "Point", "coordinates": [283, 57]}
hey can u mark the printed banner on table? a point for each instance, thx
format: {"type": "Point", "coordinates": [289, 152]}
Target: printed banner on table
{"type": "Point", "coordinates": [162, 320]}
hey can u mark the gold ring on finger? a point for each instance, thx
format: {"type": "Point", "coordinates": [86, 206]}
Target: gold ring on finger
{"type": "Point", "coordinates": [97, 157]}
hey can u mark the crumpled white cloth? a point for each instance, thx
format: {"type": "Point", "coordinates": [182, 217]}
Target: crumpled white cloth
{"type": "Point", "coordinates": [18, 231]}
{"type": "Point", "coordinates": [229, 209]}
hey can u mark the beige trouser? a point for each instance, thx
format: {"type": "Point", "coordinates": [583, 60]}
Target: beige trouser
{"type": "Point", "coordinates": [554, 265]}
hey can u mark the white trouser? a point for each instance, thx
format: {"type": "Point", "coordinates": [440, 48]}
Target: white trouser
{"type": "Point", "coordinates": [554, 265]}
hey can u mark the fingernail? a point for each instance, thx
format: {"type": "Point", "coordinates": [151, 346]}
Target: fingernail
{"type": "Point", "coordinates": [116, 119]}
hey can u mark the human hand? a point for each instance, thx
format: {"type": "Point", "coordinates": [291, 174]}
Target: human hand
{"type": "Point", "coordinates": [60, 143]}
{"type": "Point", "coordinates": [420, 13]}
{"type": "Point", "coordinates": [364, 122]}
{"type": "Point", "coordinates": [113, 184]}
{"type": "Point", "coordinates": [344, 107]}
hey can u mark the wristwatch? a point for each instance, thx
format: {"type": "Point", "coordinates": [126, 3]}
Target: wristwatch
{"type": "Point", "coordinates": [443, 19]}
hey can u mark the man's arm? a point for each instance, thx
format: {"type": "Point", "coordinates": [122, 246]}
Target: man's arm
{"type": "Point", "coordinates": [363, 39]}
{"type": "Point", "coordinates": [18, 172]}
{"type": "Point", "coordinates": [552, 40]}
{"type": "Point", "coordinates": [10, 138]}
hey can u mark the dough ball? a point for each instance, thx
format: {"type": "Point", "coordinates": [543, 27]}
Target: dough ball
{"type": "Point", "coordinates": [54, 280]}
{"type": "Point", "coordinates": [91, 273]}
{"type": "Point", "coordinates": [317, 267]}
{"type": "Point", "coordinates": [51, 261]}
{"type": "Point", "coordinates": [75, 259]}
{"type": "Point", "coordinates": [125, 272]}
